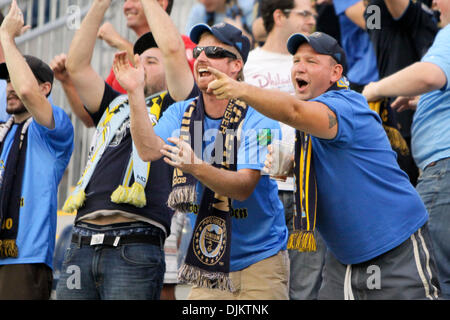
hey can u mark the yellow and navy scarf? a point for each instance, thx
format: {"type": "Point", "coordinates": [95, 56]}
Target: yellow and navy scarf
{"type": "Point", "coordinates": [391, 127]}
{"type": "Point", "coordinates": [11, 186]}
{"type": "Point", "coordinates": [207, 260]}
{"type": "Point", "coordinates": [305, 190]}
{"type": "Point", "coordinates": [114, 116]}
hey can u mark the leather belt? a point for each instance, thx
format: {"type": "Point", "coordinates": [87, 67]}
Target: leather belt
{"type": "Point", "coordinates": [114, 241]}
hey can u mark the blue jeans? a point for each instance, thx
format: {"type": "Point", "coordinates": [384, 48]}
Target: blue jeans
{"type": "Point", "coordinates": [132, 271]}
{"type": "Point", "coordinates": [434, 188]}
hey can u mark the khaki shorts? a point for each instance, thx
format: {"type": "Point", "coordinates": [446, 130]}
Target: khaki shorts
{"type": "Point", "coordinates": [265, 280]}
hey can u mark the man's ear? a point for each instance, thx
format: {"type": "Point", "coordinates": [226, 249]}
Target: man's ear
{"type": "Point", "coordinates": [238, 65]}
{"type": "Point", "coordinates": [337, 72]}
{"type": "Point", "coordinates": [46, 88]}
{"type": "Point", "coordinates": [278, 16]}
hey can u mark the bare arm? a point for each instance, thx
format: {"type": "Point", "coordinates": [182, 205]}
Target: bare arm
{"type": "Point", "coordinates": [22, 78]}
{"type": "Point", "coordinates": [58, 65]}
{"type": "Point", "coordinates": [114, 39]}
{"type": "Point", "coordinates": [132, 79]}
{"type": "Point", "coordinates": [179, 78]}
{"type": "Point", "coordinates": [87, 81]}
{"type": "Point", "coordinates": [308, 116]}
{"type": "Point", "coordinates": [396, 7]}
{"type": "Point", "coordinates": [414, 80]}
{"type": "Point", "coordinates": [237, 185]}
{"type": "Point", "coordinates": [356, 14]}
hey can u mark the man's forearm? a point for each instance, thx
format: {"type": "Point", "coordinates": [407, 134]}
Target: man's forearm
{"type": "Point", "coordinates": [145, 139]}
{"type": "Point", "coordinates": [237, 185]}
{"type": "Point", "coordinates": [83, 42]}
{"type": "Point", "coordinates": [25, 84]}
{"type": "Point", "coordinates": [417, 79]}
{"type": "Point", "coordinates": [179, 77]}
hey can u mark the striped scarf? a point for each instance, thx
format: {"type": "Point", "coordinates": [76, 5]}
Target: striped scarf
{"type": "Point", "coordinates": [207, 261]}
{"type": "Point", "coordinates": [305, 192]}
{"type": "Point", "coordinates": [114, 116]}
{"type": "Point", "coordinates": [11, 187]}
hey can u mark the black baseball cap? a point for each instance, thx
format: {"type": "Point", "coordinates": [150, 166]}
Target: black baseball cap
{"type": "Point", "coordinates": [226, 33]}
{"type": "Point", "coordinates": [146, 41]}
{"type": "Point", "coordinates": [321, 43]}
{"type": "Point", "coordinates": [40, 69]}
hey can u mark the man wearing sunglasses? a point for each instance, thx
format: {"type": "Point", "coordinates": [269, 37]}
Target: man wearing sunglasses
{"type": "Point", "coordinates": [258, 261]}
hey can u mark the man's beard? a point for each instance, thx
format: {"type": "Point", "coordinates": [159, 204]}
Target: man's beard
{"type": "Point", "coordinates": [18, 109]}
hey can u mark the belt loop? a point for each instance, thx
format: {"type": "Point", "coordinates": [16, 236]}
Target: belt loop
{"type": "Point", "coordinates": [79, 242]}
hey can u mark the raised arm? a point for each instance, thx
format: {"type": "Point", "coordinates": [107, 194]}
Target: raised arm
{"type": "Point", "coordinates": [87, 81]}
{"type": "Point", "coordinates": [26, 86]}
{"type": "Point", "coordinates": [132, 79]}
{"type": "Point", "coordinates": [356, 14]}
{"type": "Point", "coordinates": [308, 116]}
{"type": "Point", "coordinates": [58, 65]}
{"type": "Point", "coordinates": [108, 33]}
{"type": "Point", "coordinates": [179, 78]}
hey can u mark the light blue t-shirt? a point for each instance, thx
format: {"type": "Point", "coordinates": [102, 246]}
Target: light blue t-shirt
{"type": "Point", "coordinates": [258, 224]}
{"type": "Point", "coordinates": [366, 204]}
{"type": "Point", "coordinates": [198, 14]}
{"type": "Point", "coordinates": [359, 51]}
{"type": "Point", "coordinates": [430, 129]}
{"type": "Point", "coordinates": [47, 156]}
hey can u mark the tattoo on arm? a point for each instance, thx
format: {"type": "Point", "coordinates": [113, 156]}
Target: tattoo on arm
{"type": "Point", "coordinates": [331, 120]}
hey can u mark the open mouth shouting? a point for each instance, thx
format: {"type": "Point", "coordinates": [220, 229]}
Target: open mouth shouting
{"type": "Point", "coordinates": [203, 72]}
{"type": "Point", "coordinates": [301, 84]}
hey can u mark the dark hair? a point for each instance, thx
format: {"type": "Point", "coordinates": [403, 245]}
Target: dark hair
{"type": "Point", "coordinates": [169, 6]}
{"type": "Point", "coordinates": [268, 7]}
{"type": "Point", "coordinates": [2, 17]}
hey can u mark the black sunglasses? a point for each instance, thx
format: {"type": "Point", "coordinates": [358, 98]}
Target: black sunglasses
{"type": "Point", "coordinates": [213, 52]}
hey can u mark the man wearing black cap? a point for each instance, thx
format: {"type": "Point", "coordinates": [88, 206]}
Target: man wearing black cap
{"type": "Point", "coordinates": [122, 218]}
{"type": "Point", "coordinates": [36, 143]}
{"type": "Point", "coordinates": [347, 178]}
{"type": "Point", "coordinates": [238, 248]}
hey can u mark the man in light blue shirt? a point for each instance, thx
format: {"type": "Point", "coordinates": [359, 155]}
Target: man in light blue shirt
{"type": "Point", "coordinates": [430, 142]}
{"type": "Point", "coordinates": [35, 147]}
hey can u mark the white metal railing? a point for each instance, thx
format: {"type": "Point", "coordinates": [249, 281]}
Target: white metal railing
{"type": "Point", "coordinates": [54, 23]}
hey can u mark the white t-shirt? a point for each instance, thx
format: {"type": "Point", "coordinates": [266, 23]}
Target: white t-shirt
{"type": "Point", "coordinates": [272, 70]}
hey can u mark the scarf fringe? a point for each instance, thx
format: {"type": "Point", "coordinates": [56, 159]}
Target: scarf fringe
{"type": "Point", "coordinates": [181, 198]}
{"type": "Point", "coordinates": [74, 202]}
{"type": "Point", "coordinates": [134, 195]}
{"type": "Point", "coordinates": [204, 279]}
{"type": "Point", "coordinates": [302, 241]}
{"type": "Point", "coordinates": [8, 249]}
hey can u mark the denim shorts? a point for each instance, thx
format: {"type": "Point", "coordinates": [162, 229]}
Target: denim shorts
{"type": "Point", "coordinates": [132, 271]}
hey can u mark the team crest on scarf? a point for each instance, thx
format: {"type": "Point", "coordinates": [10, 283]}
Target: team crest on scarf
{"type": "Point", "coordinates": [210, 240]}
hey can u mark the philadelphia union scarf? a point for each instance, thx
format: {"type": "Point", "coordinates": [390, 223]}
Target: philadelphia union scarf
{"type": "Point", "coordinates": [114, 116]}
{"type": "Point", "coordinates": [207, 260]}
{"type": "Point", "coordinates": [305, 192]}
{"type": "Point", "coordinates": [11, 177]}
